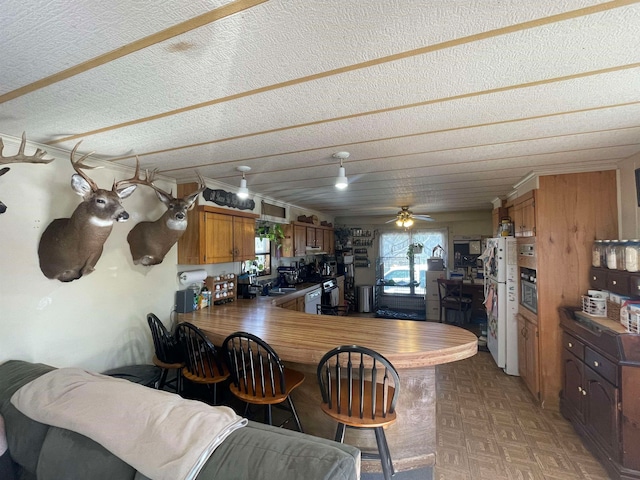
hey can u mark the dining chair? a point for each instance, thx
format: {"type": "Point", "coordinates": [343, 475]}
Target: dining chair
{"type": "Point", "coordinates": [360, 389]}
{"type": "Point", "coordinates": [203, 364]}
{"type": "Point", "coordinates": [168, 354]}
{"type": "Point", "coordinates": [258, 376]}
{"type": "Point", "coordinates": [452, 298]}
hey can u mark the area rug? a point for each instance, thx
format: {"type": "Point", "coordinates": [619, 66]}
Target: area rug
{"type": "Point", "coordinates": [400, 314]}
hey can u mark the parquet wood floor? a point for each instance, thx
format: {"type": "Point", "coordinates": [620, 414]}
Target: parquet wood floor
{"type": "Point", "coordinates": [490, 429]}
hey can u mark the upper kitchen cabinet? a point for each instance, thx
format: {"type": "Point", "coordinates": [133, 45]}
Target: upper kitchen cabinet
{"type": "Point", "coordinates": [524, 215]}
{"type": "Point", "coordinates": [300, 235]}
{"type": "Point", "coordinates": [216, 235]}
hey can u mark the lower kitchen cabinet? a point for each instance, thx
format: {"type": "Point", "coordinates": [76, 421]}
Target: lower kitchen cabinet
{"type": "Point", "coordinates": [528, 354]}
{"type": "Point", "coordinates": [599, 363]}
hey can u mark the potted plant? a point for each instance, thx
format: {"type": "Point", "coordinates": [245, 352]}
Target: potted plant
{"type": "Point", "coordinates": [414, 249]}
{"type": "Point", "coordinates": [272, 231]}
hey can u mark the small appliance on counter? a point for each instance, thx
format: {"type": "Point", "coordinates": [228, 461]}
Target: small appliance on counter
{"type": "Point", "coordinates": [288, 276]}
{"type": "Point", "coordinates": [247, 285]}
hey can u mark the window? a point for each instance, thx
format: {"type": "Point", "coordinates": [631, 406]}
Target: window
{"type": "Point", "coordinates": [262, 263]}
{"type": "Point", "coordinates": [400, 275]}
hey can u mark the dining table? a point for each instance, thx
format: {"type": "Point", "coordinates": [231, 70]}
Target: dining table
{"type": "Point", "coordinates": [415, 348]}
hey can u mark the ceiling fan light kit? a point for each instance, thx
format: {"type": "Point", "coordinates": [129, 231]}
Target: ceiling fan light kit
{"type": "Point", "coordinates": [243, 191]}
{"type": "Point", "coordinates": [405, 218]}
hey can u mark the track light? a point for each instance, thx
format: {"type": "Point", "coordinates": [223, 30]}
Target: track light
{"type": "Point", "coordinates": [243, 191]}
{"type": "Point", "coordinates": [342, 181]}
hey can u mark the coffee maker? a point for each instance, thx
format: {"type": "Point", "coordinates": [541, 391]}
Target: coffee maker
{"type": "Point", "coordinates": [288, 276]}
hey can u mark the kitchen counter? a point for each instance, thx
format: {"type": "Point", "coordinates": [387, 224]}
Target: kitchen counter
{"type": "Point", "coordinates": [414, 347]}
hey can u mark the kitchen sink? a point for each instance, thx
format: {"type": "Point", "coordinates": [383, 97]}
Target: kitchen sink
{"type": "Point", "coordinates": [274, 292]}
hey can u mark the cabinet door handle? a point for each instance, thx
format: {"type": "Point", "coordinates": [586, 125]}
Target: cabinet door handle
{"type": "Point", "coordinates": [596, 364]}
{"type": "Point", "coordinates": [580, 389]}
{"type": "Point", "coordinates": [584, 392]}
{"type": "Point", "coordinates": [570, 345]}
{"type": "Point", "coordinates": [614, 282]}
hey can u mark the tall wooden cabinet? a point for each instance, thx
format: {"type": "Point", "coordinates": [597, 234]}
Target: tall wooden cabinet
{"type": "Point", "coordinates": [569, 212]}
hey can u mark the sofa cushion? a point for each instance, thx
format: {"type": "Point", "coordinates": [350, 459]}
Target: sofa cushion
{"type": "Point", "coordinates": [70, 456]}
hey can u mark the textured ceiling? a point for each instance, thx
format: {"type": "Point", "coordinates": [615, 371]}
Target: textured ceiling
{"type": "Point", "coordinates": [443, 106]}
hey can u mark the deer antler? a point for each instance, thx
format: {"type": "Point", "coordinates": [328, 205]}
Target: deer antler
{"type": "Point", "coordinates": [77, 165]}
{"type": "Point", "coordinates": [202, 183]}
{"type": "Point", "coordinates": [137, 178]}
{"type": "Point", "coordinates": [21, 157]}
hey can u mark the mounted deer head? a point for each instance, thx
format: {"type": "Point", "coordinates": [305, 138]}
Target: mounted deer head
{"type": "Point", "coordinates": [20, 157]}
{"type": "Point", "coordinates": [149, 242]}
{"type": "Point", "coordinates": [70, 247]}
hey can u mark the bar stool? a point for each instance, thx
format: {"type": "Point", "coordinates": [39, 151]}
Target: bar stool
{"type": "Point", "coordinates": [202, 363]}
{"type": "Point", "coordinates": [360, 389]}
{"type": "Point", "coordinates": [258, 375]}
{"type": "Point", "coordinates": [168, 355]}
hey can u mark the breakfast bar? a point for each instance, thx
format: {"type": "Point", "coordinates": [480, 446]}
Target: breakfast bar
{"type": "Point", "coordinates": [413, 347]}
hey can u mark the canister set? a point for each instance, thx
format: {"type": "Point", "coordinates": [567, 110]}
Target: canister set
{"type": "Point", "coordinates": [616, 254]}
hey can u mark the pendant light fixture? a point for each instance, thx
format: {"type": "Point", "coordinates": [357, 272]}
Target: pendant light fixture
{"type": "Point", "coordinates": [342, 181]}
{"type": "Point", "coordinates": [243, 191]}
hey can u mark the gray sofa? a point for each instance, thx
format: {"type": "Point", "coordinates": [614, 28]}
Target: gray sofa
{"type": "Point", "coordinates": [255, 452]}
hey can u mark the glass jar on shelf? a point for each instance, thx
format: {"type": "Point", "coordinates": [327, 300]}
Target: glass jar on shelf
{"type": "Point", "coordinates": [632, 255]}
{"type": "Point", "coordinates": [611, 254]}
{"type": "Point", "coordinates": [620, 254]}
{"type": "Point", "coordinates": [596, 253]}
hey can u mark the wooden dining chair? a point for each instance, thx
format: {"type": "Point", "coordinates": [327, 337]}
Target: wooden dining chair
{"type": "Point", "coordinates": [452, 298]}
{"type": "Point", "coordinates": [258, 376]}
{"type": "Point", "coordinates": [168, 354]}
{"type": "Point", "coordinates": [203, 365]}
{"type": "Point", "coordinates": [360, 389]}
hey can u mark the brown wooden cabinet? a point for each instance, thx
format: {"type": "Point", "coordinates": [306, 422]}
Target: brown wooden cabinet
{"type": "Point", "coordinates": [244, 234]}
{"type": "Point", "coordinates": [299, 236]}
{"type": "Point", "coordinates": [216, 235]}
{"type": "Point", "coordinates": [600, 389]}
{"type": "Point", "coordinates": [528, 349]}
{"type": "Point", "coordinates": [569, 209]}
{"type": "Point", "coordinates": [524, 211]}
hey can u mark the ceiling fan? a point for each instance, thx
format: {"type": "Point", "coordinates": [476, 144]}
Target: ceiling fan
{"type": "Point", "coordinates": [405, 218]}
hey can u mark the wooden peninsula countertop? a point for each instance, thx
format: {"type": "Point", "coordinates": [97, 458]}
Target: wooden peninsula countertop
{"type": "Point", "coordinates": [304, 338]}
{"type": "Point", "coordinates": [415, 348]}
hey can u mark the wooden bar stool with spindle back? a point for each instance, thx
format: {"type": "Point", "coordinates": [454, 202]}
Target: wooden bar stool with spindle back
{"type": "Point", "coordinates": [259, 377]}
{"type": "Point", "coordinates": [360, 389]}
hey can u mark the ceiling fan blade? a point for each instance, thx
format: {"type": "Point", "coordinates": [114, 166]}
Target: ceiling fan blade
{"type": "Point", "coordinates": [423, 217]}
{"type": "Point", "coordinates": [392, 220]}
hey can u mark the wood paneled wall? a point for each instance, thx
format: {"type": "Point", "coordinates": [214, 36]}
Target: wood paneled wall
{"type": "Point", "coordinates": [572, 211]}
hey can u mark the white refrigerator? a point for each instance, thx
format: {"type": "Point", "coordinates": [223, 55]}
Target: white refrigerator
{"type": "Point", "coordinates": [501, 301]}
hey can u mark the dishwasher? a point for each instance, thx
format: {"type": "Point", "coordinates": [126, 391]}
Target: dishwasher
{"type": "Point", "coordinates": [312, 300]}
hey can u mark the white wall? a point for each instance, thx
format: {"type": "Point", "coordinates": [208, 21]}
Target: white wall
{"type": "Point", "coordinates": [99, 321]}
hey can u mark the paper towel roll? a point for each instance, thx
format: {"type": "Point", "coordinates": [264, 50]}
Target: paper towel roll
{"type": "Point", "coordinates": [192, 276]}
